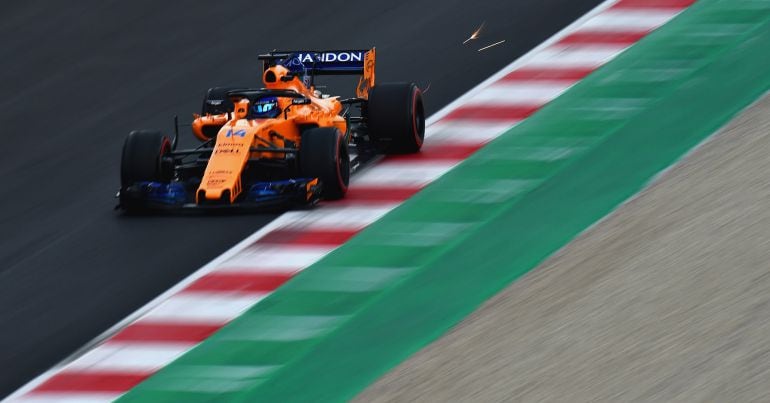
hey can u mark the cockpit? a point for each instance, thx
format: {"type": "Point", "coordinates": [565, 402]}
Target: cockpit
{"type": "Point", "coordinates": [265, 108]}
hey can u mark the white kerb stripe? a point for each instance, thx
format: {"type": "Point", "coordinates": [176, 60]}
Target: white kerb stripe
{"type": "Point", "coordinates": [466, 131]}
{"type": "Point", "coordinates": [129, 357]}
{"type": "Point", "coordinates": [273, 259]}
{"type": "Point", "coordinates": [628, 20]}
{"type": "Point", "coordinates": [202, 307]}
{"type": "Point", "coordinates": [574, 56]}
{"type": "Point", "coordinates": [66, 397]}
{"type": "Point", "coordinates": [335, 218]}
{"type": "Point", "coordinates": [520, 93]}
{"type": "Point", "coordinates": [402, 174]}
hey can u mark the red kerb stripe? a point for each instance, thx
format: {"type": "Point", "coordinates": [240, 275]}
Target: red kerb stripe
{"type": "Point", "coordinates": [548, 74]}
{"type": "Point", "coordinates": [238, 282]}
{"type": "Point", "coordinates": [74, 381]}
{"type": "Point", "coordinates": [676, 4]}
{"type": "Point", "coordinates": [375, 195]}
{"type": "Point", "coordinates": [497, 112]}
{"type": "Point", "coordinates": [307, 237]}
{"type": "Point", "coordinates": [588, 37]}
{"type": "Point", "coordinates": [439, 152]}
{"type": "Point", "coordinates": [165, 333]}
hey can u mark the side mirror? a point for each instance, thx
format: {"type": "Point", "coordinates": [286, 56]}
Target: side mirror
{"type": "Point", "coordinates": [295, 101]}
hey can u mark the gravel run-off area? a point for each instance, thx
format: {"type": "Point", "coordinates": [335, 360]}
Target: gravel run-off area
{"type": "Point", "coordinates": [667, 299]}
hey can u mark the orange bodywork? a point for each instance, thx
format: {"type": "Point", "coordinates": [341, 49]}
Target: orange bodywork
{"type": "Point", "coordinates": [239, 136]}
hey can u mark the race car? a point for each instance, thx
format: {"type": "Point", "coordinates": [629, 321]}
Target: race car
{"type": "Point", "coordinates": [281, 145]}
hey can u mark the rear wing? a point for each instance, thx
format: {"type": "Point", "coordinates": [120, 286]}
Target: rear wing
{"type": "Point", "coordinates": [327, 62]}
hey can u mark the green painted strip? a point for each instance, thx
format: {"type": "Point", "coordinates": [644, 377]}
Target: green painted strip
{"type": "Point", "coordinates": [408, 278]}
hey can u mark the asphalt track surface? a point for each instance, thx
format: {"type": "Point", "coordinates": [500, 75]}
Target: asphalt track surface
{"type": "Point", "coordinates": [76, 78]}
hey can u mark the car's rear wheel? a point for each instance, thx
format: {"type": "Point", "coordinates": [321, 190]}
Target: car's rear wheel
{"type": "Point", "coordinates": [324, 155]}
{"type": "Point", "coordinates": [142, 158]}
{"type": "Point", "coordinates": [396, 117]}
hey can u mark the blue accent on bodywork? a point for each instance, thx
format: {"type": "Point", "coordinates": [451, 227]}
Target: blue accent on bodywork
{"type": "Point", "coordinates": [294, 64]}
{"type": "Point", "coordinates": [181, 195]}
{"type": "Point", "coordinates": [269, 190]}
{"type": "Point", "coordinates": [239, 133]}
{"type": "Point", "coordinates": [166, 193]}
{"type": "Point", "coordinates": [262, 190]}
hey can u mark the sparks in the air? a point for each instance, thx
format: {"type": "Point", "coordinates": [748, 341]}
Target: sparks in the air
{"type": "Point", "coordinates": [489, 46]}
{"type": "Point", "coordinates": [475, 34]}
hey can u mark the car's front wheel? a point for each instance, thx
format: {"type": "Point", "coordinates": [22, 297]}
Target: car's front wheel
{"type": "Point", "coordinates": [142, 158]}
{"type": "Point", "coordinates": [324, 155]}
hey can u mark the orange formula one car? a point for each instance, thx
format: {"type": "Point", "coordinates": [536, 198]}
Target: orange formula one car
{"type": "Point", "coordinates": [282, 145]}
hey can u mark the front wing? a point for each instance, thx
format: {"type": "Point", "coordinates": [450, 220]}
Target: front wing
{"type": "Point", "coordinates": [267, 195]}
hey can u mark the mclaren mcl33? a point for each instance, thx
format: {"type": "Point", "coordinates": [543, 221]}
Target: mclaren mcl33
{"type": "Point", "coordinates": [283, 145]}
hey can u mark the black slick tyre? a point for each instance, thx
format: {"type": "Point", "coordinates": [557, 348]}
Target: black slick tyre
{"type": "Point", "coordinates": [396, 117]}
{"type": "Point", "coordinates": [324, 155]}
{"type": "Point", "coordinates": [142, 158]}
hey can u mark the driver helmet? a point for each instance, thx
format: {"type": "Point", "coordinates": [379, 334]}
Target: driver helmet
{"type": "Point", "coordinates": [266, 108]}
